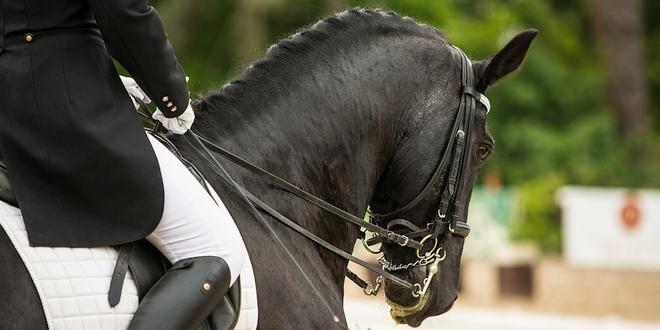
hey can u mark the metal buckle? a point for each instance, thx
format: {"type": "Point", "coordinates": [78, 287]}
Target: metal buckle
{"type": "Point", "coordinates": [405, 241]}
{"type": "Point", "coordinates": [396, 238]}
{"type": "Point", "coordinates": [372, 290]}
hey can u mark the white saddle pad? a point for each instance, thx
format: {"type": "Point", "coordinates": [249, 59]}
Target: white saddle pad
{"type": "Point", "coordinates": [73, 283]}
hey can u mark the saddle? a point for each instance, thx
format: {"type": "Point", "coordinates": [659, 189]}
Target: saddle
{"type": "Point", "coordinates": [146, 263]}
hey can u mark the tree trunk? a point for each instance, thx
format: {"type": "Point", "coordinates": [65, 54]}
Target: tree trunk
{"type": "Point", "coordinates": [619, 27]}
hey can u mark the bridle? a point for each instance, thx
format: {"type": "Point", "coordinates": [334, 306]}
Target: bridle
{"type": "Point", "coordinates": [447, 222]}
{"type": "Point", "coordinates": [438, 232]}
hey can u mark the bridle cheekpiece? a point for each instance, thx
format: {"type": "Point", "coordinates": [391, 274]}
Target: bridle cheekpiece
{"type": "Point", "coordinates": [447, 222]}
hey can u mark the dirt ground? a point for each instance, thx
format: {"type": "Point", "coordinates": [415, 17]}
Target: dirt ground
{"type": "Point", "coordinates": [373, 313]}
{"type": "Point", "coordinates": [560, 297]}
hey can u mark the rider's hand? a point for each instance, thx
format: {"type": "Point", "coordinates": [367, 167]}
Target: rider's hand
{"type": "Point", "coordinates": [134, 91]}
{"type": "Point", "coordinates": [178, 125]}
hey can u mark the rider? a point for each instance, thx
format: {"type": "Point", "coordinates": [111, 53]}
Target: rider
{"type": "Point", "coordinates": [84, 172]}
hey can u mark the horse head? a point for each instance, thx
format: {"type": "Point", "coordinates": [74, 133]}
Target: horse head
{"type": "Point", "coordinates": [428, 185]}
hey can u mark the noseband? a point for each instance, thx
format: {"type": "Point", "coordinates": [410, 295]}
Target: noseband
{"type": "Point", "coordinates": [447, 222]}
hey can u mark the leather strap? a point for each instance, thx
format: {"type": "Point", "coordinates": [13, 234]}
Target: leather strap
{"type": "Point", "coordinates": [277, 181]}
{"type": "Point", "coordinates": [468, 101]}
{"type": "Point", "coordinates": [356, 279]}
{"type": "Point", "coordinates": [403, 223]}
{"type": "Point", "coordinates": [119, 274]}
{"type": "Point", "coordinates": [410, 230]}
{"type": "Point", "coordinates": [414, 234]}
{"type": "Point", "coordinates": [311, 236]}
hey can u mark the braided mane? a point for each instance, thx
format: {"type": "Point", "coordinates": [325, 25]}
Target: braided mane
{"type": "Point", "coordinates": [284, 59]}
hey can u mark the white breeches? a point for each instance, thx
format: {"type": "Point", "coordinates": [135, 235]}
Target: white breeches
{"type": "Point", "coordinates": [193, 225]}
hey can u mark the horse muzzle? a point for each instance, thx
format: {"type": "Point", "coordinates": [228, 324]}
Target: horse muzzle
{"type": "Point", "coordinates": [416, 314]}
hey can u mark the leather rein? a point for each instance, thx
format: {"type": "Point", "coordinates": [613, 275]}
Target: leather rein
{"type": "Point", "coordinates": [445, 224]}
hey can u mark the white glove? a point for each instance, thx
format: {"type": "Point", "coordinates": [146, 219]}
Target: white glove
{"type": "Point", "coordinates": [178, 125]}
{"type": "Point", "coordinates": [134, 91]}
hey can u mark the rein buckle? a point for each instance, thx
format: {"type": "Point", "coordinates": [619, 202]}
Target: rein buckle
{"type": "Point", "coordinates": [372, 290]}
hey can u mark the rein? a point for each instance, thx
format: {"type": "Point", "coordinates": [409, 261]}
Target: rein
{"type": "Point", "coordinates": [283, 184]}
{"type": "Point", "coordinates": [441, 226]}
{"type": "Point", "coordinates": [275, 180]}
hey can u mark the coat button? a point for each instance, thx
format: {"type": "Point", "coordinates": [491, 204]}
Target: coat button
{"type": "Point", "coordinates": [173, 109]}
{"type": "Point", "coordinates": [169, 104]}
{"type": "Point", "coordinates": [165, 98]}
{"type": "Point", "coordinates": [29, 37]}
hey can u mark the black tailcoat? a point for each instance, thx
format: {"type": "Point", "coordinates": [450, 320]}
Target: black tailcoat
{"type": "Point", "coordinates": [81, 166]}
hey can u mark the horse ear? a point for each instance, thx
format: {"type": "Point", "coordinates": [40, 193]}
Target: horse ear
{"type": "Point", "coordinates": [507, 60]}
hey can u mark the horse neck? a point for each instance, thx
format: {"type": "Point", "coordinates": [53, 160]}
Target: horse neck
{"type": "Point", "coordinates": [331, 130]}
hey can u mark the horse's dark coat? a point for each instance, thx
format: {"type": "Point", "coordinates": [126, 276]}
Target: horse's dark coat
{"type": "Point", "coordinates": [355, 109]}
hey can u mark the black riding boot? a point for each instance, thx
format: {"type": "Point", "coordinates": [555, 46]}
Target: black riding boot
{"type": "Point", "coordinates": [184, 296]}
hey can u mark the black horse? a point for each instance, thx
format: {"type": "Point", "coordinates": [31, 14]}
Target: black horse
{"type": "Point", "coordinates": [357, 110]}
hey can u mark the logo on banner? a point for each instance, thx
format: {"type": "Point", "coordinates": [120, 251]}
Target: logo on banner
{"type": "Point", "coordinates": [630, 212]}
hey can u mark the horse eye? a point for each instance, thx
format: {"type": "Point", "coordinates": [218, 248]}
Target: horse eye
{"type": "Point", "coordinates": [484, 152]}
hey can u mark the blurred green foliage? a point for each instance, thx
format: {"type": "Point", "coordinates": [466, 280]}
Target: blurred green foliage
{"type": "Point", "coordinates": [551, 120]}
{"type": "Point", "coordinates": [540, 218]}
